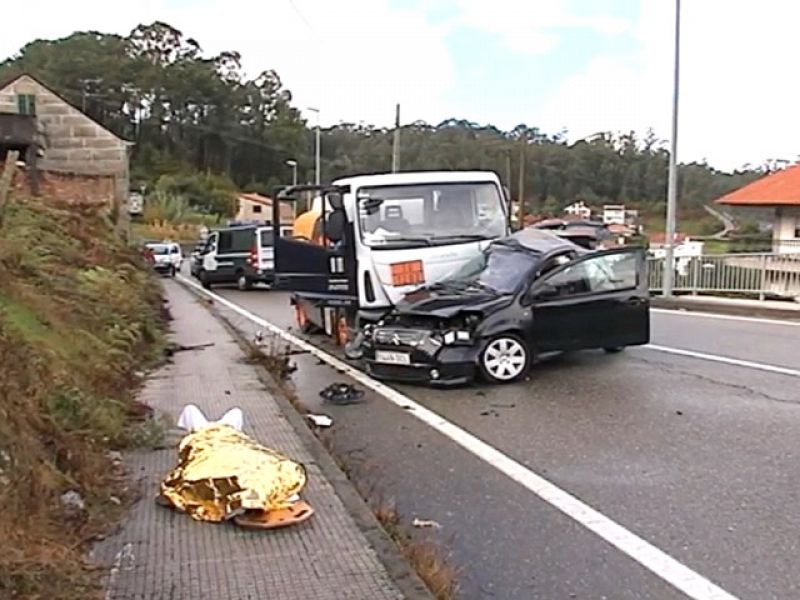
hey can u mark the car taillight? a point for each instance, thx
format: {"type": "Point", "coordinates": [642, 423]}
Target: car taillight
{"type": "Point", "coordinates": [253, 260]}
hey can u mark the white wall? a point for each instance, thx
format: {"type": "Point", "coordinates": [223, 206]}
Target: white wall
{"type": "Point", "coordinates": [787, 223]}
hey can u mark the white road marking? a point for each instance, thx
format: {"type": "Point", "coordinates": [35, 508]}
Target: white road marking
{"type": "Point", "coordinates": [657, 561]}
{"type": "Point", "coordinates": [705, 315]}
{"type": "Point", "coordinates": [726, 360]}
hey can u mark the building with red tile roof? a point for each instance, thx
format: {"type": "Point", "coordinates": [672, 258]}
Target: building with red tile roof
{"type": "Point", "coordinates": [780, 192]}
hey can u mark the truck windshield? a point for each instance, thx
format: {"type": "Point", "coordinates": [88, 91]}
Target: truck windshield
{"type": "Point", "coordinates": [408, 216]}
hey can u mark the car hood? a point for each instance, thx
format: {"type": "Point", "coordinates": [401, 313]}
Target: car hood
{"type": "Point", "coordinates": [444, 303]}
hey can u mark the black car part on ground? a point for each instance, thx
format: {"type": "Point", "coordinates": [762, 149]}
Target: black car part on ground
{"type": "Point", "coordinates": [342, 394]}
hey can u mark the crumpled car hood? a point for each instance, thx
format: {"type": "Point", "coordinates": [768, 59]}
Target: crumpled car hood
{"type": "Point", "coordinates": [447, 303]}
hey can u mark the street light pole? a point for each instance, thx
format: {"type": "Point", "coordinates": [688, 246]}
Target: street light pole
{"type": "Point", "coordinates": [316, 150]}
{"type": "Point", "coordinates": [293, 163]}
{"type": "Point", "coordinates": [672, 185]}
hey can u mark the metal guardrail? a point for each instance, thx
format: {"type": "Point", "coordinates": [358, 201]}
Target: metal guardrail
{"type": "Point", "coordinates": [763, 274]}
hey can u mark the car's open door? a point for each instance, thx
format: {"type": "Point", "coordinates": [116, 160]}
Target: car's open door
{"type": "Point", "coordinates": [599, 300]}
{"type": "Point", "coordinates": [319, 260]}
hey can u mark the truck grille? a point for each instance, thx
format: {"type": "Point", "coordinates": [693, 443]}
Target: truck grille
{"type": "Point", "coordinates": [399, 337]}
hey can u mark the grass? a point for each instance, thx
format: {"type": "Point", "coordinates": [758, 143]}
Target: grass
{"type": "Point", "coordinates": [80, 315]}
{"type": "Point", "coordinates": [426, 557]}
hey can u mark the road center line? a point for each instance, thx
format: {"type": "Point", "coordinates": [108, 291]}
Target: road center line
{"type": "Point", "coordinates": [657, 561]}
{"type": "Point", "coordinates": [726, 360]}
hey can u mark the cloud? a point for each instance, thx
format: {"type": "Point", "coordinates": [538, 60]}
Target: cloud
{"type": "Point", "coordinates": [739, 90]}
{"type": "Point", "coordinates": [352, 59]}
{"type": "Point", "coordinates": [531, 27]}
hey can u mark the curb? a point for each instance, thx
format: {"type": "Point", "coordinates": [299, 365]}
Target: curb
{"type": "Point", "coordinates": [397, 567]}
{"type": "Point", "coordinates": [726, 309]}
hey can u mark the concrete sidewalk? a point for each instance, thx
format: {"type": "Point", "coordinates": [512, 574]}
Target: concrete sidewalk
{"type": "Point", "coordinates": [162, 554]}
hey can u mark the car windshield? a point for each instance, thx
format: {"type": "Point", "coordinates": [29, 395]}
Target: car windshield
{"type": "Point", "coordinates": [500, 270]}
{"type": "Point", "coordinates": [407, 216]}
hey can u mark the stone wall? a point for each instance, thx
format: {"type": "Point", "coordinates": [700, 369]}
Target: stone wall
{"type": "Point", "coordinates": [73, 143]}
{"type": "Point", "coordinates": [68, 188]}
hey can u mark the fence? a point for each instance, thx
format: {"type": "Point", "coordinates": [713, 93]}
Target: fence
{"type": "Point", "coordinates": [759, 275]}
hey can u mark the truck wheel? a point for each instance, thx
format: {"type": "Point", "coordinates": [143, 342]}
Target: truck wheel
{"type": "Point", "coordinates": [243, 282]}
{"type": "Point", "coordinates": [504, 359]}
{"type": "Point", "coordinates": [204, 280]}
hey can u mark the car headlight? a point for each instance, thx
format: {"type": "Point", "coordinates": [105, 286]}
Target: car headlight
{"type": "Point", "coordinates": [456, 335]}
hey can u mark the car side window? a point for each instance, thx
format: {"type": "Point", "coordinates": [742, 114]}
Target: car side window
{"type": "Point", "coordinates": [604, 273]}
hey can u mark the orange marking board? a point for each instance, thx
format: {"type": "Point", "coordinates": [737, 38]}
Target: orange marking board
{"type": "Point", "coordinates": [408, 273]}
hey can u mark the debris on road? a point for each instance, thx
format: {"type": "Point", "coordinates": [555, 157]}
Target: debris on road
{"type": "Point", "coordinates": [426, 524]}
{"type": "Point", "coordinates": [223, 474]}
{"type": "Point", "coordinates": [342, 393]}
{"type": "Point", "coordinates": [173, 349]}
{"type": "Point", "coordinates": [320, 420]}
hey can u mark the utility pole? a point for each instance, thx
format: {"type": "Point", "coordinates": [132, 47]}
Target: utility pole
{"type": "Point", "coordinates": [316, 149]}
{"type": "Point", "coordinates": [672, 185]}
{"type": "Point", "coordinates": [521, 215]}
{"type": "Point", "coordinates": [396, 143]}
{"type": "Point", "coordinates": [508, 170]}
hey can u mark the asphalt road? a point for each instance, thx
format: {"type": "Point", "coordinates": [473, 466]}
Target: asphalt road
{"type": "Point", "coordinates": [697, 457]}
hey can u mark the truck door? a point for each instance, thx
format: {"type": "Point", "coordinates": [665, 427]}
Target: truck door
{"type": "Point", "coordinates": [321, 265]}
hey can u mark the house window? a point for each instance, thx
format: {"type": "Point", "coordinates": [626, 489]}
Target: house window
{"type": "Point", "coordinates": [26, 104]}
{"type": "Point", "coordinates": [256, 208]}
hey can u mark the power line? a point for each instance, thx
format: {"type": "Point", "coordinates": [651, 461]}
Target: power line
{"type": "Point", "coordinates": [301, 15]}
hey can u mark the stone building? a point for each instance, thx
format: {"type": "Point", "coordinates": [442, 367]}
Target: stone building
{"type": "Point", "coordinates": [61, 145]}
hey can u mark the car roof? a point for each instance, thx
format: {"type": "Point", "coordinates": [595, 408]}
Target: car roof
{"type": "Point", "coordinates": [539, 241]}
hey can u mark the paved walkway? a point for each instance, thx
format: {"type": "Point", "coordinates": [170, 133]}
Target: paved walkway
{"type": "Point", "coordinates": [161, 554]}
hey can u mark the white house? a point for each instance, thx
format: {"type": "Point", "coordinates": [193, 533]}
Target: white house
{"type": "Point", "coordinates": [684, 249]}
{"type": "Point", "coordinates": [579, 209]}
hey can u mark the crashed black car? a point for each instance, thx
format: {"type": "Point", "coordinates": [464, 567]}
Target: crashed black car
{"type": "Point", "coordinates": [529, 294]}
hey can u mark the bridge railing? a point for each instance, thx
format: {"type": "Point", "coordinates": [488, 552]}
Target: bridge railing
{"type": "Point", "coordinates": [758, 274]}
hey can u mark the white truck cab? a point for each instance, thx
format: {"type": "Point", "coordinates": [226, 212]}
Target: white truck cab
{"type": "Point", "coordinates": [378, 237]}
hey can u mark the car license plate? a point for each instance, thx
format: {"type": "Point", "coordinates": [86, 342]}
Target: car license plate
{"type": "Point", "coordinates": [393, 358]}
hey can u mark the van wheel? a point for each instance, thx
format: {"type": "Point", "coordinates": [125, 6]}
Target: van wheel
{"type": "Point", "coordinates": [504, 359]}
{"type": "Point", "coordinates": [172, 272]}
{"type": "Point", "coordinates": [614, 349]}
{"type": "Point", "coordinates": [204, 280]}
{"type": "Point", "coordinates": [243, 282]}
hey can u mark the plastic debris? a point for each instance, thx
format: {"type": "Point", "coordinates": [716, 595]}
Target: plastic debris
{"type": "Point", "coordinates": [342, 393]}
{"type": "Point", "coordinates": [73, 502]}
{"type": "Point", "coordinates": [425, 524]}
{"type": "Point", "coordinates": [320, 420]}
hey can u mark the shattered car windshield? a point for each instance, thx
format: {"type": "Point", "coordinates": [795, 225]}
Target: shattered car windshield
{"type": "Point", "coordinates": [407, 216]}
{"type": "Point", "coordinates": [500, 270]}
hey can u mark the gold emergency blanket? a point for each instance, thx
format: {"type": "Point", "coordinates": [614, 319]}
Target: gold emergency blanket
{"type": "Point", "coordinates": [222, 472]}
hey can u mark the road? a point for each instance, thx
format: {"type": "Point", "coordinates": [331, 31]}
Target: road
{"type": "Point", "coordinates": [728, 224]}
{"type": "Point", "coordinates": [697, 457]}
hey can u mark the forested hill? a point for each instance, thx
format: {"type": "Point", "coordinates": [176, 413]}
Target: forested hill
{"type": "Point", "coordinates": [188, 112]}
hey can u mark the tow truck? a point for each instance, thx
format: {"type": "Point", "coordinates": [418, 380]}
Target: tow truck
{"type": "Point", "coordinates": [368, 240]}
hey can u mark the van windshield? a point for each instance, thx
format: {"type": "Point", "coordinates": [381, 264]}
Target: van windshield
{"type": "Point", "coordinates": [408, 216]}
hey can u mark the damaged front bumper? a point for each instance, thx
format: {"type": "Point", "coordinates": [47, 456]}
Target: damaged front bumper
{"type": "Point", "coordinates": [419, 356]}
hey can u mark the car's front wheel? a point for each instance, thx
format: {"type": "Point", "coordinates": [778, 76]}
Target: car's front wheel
{"type": "Point", "coordinates": [204, 281]}
{"type": "Point", "coordinates": [504, 359]}
{"type": "Point", "coordinates": [613, 349]}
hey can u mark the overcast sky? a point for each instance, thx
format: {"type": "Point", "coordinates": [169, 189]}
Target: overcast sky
{"type": "Point", "coordinates": [580, 65]}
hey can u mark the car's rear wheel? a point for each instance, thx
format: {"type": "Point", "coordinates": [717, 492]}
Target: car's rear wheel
{"type": "Point", "coordinates": [504, 359]}
{"type": "Point", "coordinates": [614, 349]}
{"type": "Point", "coordinates": [243, 282]}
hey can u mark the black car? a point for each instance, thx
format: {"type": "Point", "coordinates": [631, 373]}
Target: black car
{"type": "Point", "coordinates": [529, 294]}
